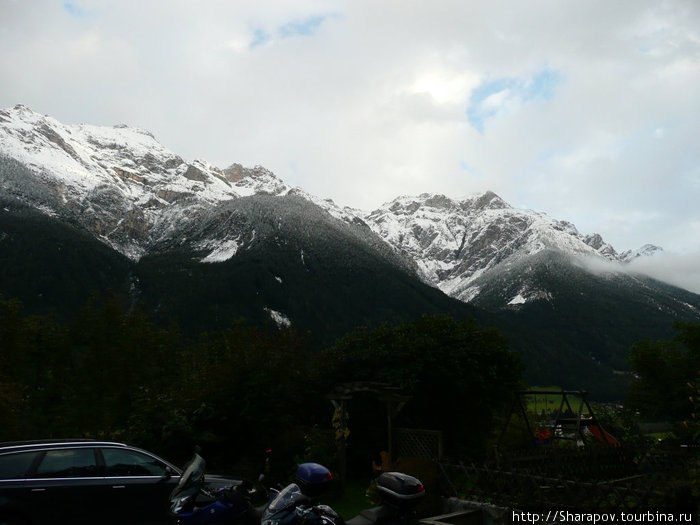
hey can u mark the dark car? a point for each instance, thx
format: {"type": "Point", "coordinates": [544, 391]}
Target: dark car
{"type": "Point", "coordinates": [85, 482]}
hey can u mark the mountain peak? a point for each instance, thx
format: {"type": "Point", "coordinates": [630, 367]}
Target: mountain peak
{"type": "Point", "coordinates": [490, 200]}
{"type": "Point", "coordinates": [406, 204]}
{"type": "Point", "coordinates": [19, 112]}
{"type": "Point", "coordinates": [458, 242]}
{"type": "Point", "coordinates": [437, 201]}
{"type": "Point", "coordinates": [596, 242]}
{"type": "Point", "coordinates": [117, 181]}
{"type": "Point", "coordinates": [126, 188]}
{"type": "Point", "coordinates": [648, 250]}
{"type": "Point", "coordinates": [135, 130]}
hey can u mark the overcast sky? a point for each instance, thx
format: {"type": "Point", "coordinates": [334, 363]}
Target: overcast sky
{"type": "Point", "coordinates": [586, 110]}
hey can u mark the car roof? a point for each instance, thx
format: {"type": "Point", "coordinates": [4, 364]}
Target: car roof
{"type": "Point", "coordinates": [41, 444]}
{"type": "Point", "coordinates": [38, 444]}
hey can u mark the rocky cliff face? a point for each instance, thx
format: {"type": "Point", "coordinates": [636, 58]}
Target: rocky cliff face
{"type": "Point", "coordinates": [119, 183]}
{"type": "Point", "coordinates": [138, 197]}
{"type": "Point", "coordinates": [457, 242]}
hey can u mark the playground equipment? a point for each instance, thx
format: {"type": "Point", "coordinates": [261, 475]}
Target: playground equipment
{"type": "Point", "coordinates": [573, 420]}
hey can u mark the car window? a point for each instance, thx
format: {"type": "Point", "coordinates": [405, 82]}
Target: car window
{"type": "Point", "coordinates": [123, 462]}
{"type": "Point", "coordinates": [67, 463]}
{"type": "Point", "coordinates": [13, 466]}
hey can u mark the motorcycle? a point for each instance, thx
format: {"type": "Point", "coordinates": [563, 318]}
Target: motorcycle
{"type": "Point", "coordinates": [195, 502]}
{"type": "Point", "coordinates": [296, 504]}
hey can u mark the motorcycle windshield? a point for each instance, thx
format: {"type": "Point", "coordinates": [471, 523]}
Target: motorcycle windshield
{"type": "Point", "coordinates": [289, 497]}
{"type": "Point", "coordinates": [191, 478]}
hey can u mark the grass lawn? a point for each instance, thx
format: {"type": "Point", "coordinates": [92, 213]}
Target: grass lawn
{"type": "Point", "coordinates": [549, 403]}
{"type": "Point", "coordinates": [352, 501]}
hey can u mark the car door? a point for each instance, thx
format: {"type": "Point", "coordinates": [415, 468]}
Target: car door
{"type": "Point", "coordinates": [64, 486]}
{"type": "Point", "coordinates": [140, 485]}
{"type": "Point", "coordinates": [15, 494]}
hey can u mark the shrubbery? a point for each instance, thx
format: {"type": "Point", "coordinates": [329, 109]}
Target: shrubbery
{"type": "Point", "coordinates": [114, 374]}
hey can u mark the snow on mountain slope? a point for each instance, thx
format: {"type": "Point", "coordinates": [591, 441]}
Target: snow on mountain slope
{"type": "Point", "coordinates": [86, 157]}
{"type": "Point", "coordinates": [458, 242]}
{"type": "Point", "coordinates": [118, 182]}
{"type": "Point", "coordinates": [135, 195]}
{"type": "Point", "coordinates": [648, 250]}
{"type": "Point", "coordinates": [123, 185]}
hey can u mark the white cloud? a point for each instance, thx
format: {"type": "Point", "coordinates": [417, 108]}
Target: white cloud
{"type": "Point", "coordinates": [585, 110]}
{"type": "Point", "coordinates": [682, 270]}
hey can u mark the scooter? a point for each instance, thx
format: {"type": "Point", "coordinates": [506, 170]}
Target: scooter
{"type": "Point", "coordinates": [193, 503]}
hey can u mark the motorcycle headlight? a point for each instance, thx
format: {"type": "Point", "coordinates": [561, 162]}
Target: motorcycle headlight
{"type": "Point", "coordinates": [177, 505]}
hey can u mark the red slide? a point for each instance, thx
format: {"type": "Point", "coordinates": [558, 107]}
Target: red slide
{"type": "Point", "coordinates": [602, 435]}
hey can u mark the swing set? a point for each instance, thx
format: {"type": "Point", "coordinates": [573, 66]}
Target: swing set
{"type": "Point", "coordinates": [573, 420]}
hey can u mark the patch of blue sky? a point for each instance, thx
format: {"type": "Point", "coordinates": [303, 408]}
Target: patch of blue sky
{"type": "Point", "coordinates": [306, 27]}
{"type": "Point", "coordinates": [466, 166]}
{"type": "Point", "coordinates": [260, 38]}
{"type": "Point", "coordinates": [542, 85]}
{"type": "Point", "coordinates": [73, 9]}
{"type": "Point", "coordinates": [488, 99]}
{"type": "Point", "coordinates": [480, 109]}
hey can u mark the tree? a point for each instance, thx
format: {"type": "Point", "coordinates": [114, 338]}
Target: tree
{"type": "Point", "coordinates": [239, 391]}
{"type": "Point", "coordinates": [458, 374]}
{"type": "Point", "coordinates": [664, 370]}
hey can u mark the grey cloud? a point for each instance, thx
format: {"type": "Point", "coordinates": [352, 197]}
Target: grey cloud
{"type": "Point", "coordinates": [366, 100]}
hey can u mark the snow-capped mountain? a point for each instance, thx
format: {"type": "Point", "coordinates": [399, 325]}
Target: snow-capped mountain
{"type": "Point", "coordinates": [84, 158]}
{"type": "Point", "coordinates": [88, 209]}
{"type": "Point", "coordinates": [138, 197]}
{"type": "Point", "coordinates": [459, 244]}
{"type": "Point", "coordinates": [118, 182]}
{"type": "Point", "coordinates": [123, 185]}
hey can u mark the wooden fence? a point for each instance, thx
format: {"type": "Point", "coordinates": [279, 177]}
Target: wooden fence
{"type": "Point", "coordinates": [585, 480]}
